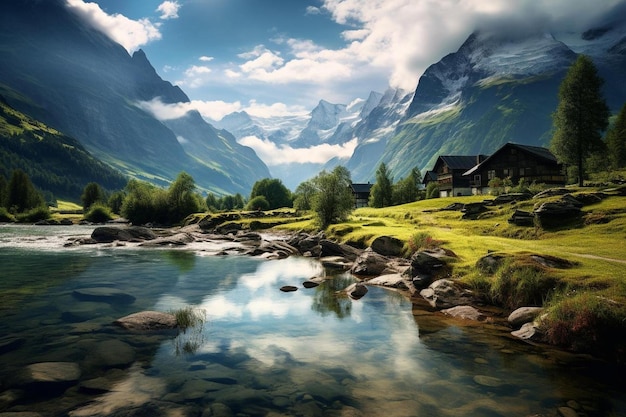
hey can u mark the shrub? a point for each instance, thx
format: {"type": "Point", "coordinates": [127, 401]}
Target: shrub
{"type": "Point", "coordinates": [5, 216]}
{"type": "Point", "coordinates": [34, 215]}
{"type": "Point", "coordinates": [188, 317]}
{"type": "Point", "coordinates": [420, 241]}
{"type": "Point", "coordinates": [98, 213]}
{"type": "Point", "coordinates": [517, 284]}
{"type": "Point", "coordinates": [258, 203]}
{"type": "Point", "coordinates": [587, 322]}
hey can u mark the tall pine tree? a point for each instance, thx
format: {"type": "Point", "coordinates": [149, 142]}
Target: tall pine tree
{"type": "Point", "coordinates": [581, 115]}
{"type": "Point", "coordinates": [382, 192]}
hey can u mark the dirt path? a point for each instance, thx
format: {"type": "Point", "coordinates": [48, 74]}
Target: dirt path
{"type": "Point", "coordinates": [583, 255]}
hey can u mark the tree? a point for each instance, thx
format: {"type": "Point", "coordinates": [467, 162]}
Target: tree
{"type": "Point", "coordinates": [332, 201]}
{"type": "Point", "coordinates": [182, 198]}
{"type": "Point", "coordinates": [21, 193]}
{"type": "Point", "coordinates": [258, 203]}
{"type": "Point", "coordinates": [381, 192]}
{"type": "Point", "coordinates": [276, 194]}
{"type": "Point", "coordinates": [432, 190]}
{"type": "Point", "coordinates": [616, 141]}
{"type": "Point", "coordinates": [92, 193]}
{"type": "Point", "coordinates": [303, 197]}
{"type": "Point", "coordinates": [407, 189]}
{"type": "Point", "coordinates": [581, 115]}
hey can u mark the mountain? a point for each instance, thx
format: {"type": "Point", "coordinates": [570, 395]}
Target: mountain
{"type": "Point", "coordinates": [57, 164]}
{"type": "Point", "coordinates": [61, 71]}
{"type": "Point", "coordinates": [496, 89]}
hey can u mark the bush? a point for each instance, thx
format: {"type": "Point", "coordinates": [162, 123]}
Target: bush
{"type": "Point", "coordinates": [34, 215]}
{"type": "Point", "coordinates": [587, 322]}
{"type": "Point", "coordinates": [98, 213]}
{"type": "Point", "coordinates": [5, 216]}
{"type": "Point", "coordinates": [516, 285]}
{"type": "Point", "coordinates": [258, 203]}
{"type": "Point", "coordinates": [420, 241]}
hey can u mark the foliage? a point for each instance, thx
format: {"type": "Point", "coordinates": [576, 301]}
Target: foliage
{"type": "Point", "coordinates": [499, 186]}
{"type": "Point", "coordinates": [145, 203]}
{"type": "Point", "coordinates": [303, 197]}
{"type": "Point", "coordinates": [276, 194]}
{"type": "Point", "coordinates": [517, 284]}
{"type": "Point", "coordinates": [116, 200]}
{"type": "Point", "coordinates": [5, 216]}
{"type": "Point", "coordinates": [581, 115]}
{"type": "Point", "coordinates": [21, 195]}
{"type": "Point", "coordinates": [187, 317]}
{"type": "Point", "coordinates": [586, 322]}
{"type": "Point", "coordinates": [92, 193]}
{"type": "Point", "coordinates": [182, 199]}
{"type": "Point", "coordinates": [432, 190]}
{"type": "Point", "coordinates": [34, 214]}
{"type": "Point", "coordinates": [98, 212]}
{"type": "Point", "coordinates": [421, 241]}
{"type": "Point", "coordinates": [381, 192]}
{"type": "Point", "coordinates": [226, 203]}
{"type": "Point", "coordinates": [407, 189]}
{"type": "Point", "coordinates": [616, 141]}
{"type": "Point", "coordinates": [258, 203]}
{"type": "Point", "coordinates": [332, 201]}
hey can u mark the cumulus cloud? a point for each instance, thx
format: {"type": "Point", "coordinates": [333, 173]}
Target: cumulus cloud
{"type": "Point", "coordinates": [131, 34]}
{"type": "Point", "coordinates": [168, 10]}
{"type": "Point", "coordinates": [273, 154]}
{"type": "Point", "coordinates": [205, 58]}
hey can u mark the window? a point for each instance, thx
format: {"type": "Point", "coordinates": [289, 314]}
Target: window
{"type": "Point", "coordinates": [522, 172]}
{"type": "Point", "coordinates": [506, 172]}
{"type": "Point", "coordinates": [491, 174]}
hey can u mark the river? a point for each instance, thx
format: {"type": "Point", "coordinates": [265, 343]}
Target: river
{"type": "Point", "coordinates": [258, 351]}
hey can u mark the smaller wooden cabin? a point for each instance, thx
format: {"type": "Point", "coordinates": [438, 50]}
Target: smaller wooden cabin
{"type": "Point", "coordinates": [361, 194]}
{"type": "Point", "coordinates": [517, 162]}
{"type": "Point", "coordinates": [448, 171]}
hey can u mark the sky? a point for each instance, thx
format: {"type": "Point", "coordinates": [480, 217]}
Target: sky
{"type": "Point", "coordinates": [280, 57]}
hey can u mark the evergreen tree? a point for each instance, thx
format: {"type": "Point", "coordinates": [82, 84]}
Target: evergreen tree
{"type": "Point", "coordinates": [407, 189]}
{"type": "Point", "coordinates": [381, 192]}
{"type": "Point", "coordinates": [616, 141]}
{"type": "Point", "coordinates": [21, 193]}
{"type": "Point", "coordinates": [581, 115]}
{"type": "Point", "coordinates": [92, 193]}
{"type": "Point", "coordinates": [333, 201]}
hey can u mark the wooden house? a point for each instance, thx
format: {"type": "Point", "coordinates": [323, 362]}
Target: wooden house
{"type": "Point", "coordinates": [448, 174]}
{"type": "Point", "coordinates": [361, 194]}
{"type": "Point", "coordinates": [517, 162]}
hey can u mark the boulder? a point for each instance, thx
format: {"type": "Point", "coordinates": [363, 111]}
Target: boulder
{"type": "Point", "coordinates": [112, 354]}
{"type": "Point", "coordinates": [472, 210]}
{"type": "Point", "coordinates": [356, 290]}
{"type": "Point", "coordinates": [288, 288]}
{"type": "Point", "coordinates": [445, 293]}
{"type": "Point", "coordinates": [557, 214]}
{"type": "Point", "coordinates": [108, 234]}
{"type": "Point", "coordinates": [61, 373]}
{"type": "Point", "coordinates": [147, 320]}
{"type": "Point", "coordinates": [465, 312]}
{"type": "Point", "coordinates": [390, 281]}
{"type": "Point", "coordinates": [369, 263]}
{"type": "Point", "coordinates": [523, 315]}
{"type": "Point", "coordinates": [388, 246]}
{"type": "Point", "coordinates": [210, 222]}
{"type": "Point", "coordinates": [178, 239]}
{"type": "Point", "coordinates": [490, 263]}
{"type": "Point", "coordinates": [330, 248]}
{"type": "Point", "coordinates": [427, 266]}
{"type": "Point", "coordinates": [522, 218]}
{"type": "Point", "coordinates": [511, 197]}
{"type": "Point", "coordinates": [529, 331]}
{"type": "Point", "coordinates": [103, 294]}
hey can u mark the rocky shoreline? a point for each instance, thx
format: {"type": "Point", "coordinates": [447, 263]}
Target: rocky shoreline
{"type": "Point", "coordinates": [425, 278]}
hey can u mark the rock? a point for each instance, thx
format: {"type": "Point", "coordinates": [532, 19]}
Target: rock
{"type": "Point", "coordinates": [557, 214]}
{"type": "Point", "coordinates": [336, 262]}
{"type": "Point", "coordinates": [490, 263]}
{"type": "Point", "coordinates": [330, 248]}
{"type": "Point", "coordinates": [61, 373]}
{"type": "Point", "coordinates": [210, 222]}
{"type": "Point", "coordinates": [9, 343]}
{"type": "Point", "coordinates": [551, 192]}
{"type": "Point", "coordinates": [465, 312]}
{"type": "Point", "coordinates": [369, 263]}
{"type": "Point", "coordinates": [488, 381]}
{"type": "Point", "coordinates": [529, 331]}
{"type": "Point", "coordinates": [522, 218]}
{"type": "Point", "coordinates": [356, 290]}
{"type": "Point", "coordinates": [551, 261]}
{"type": "Point", "coordinates": [445, 293]}
{"type": "Point", "coordinates": [567, 412]}
{"type": "Point", "coordinates": [388, 246]}
{"type": "Point", "coordinates": [288, 288]}
{"type": "Point", "coordinates": [310, 284]}
{"type": "Point", "coordinates": [20, 414]}
{"type": "Point", "coordinates": [10, 397]}
{"type": "Point", "coordinates": [523, 315]}
{"type": "Point", "coordinates": [147, 320]}
{"type": "Point", "coordinates": [427, 266]}
{"type": "Point", "coordinates": [178, 239]}
{"type": "Point", "coordinates": [103, 294]}
{"type": "Point", "coordinates": [472, 210]}
{"type": "Point", "coordinates": [511, 197]}
{"type": "Point", "coordinates": [108, 234]}
{"type": "Point", "coordinates": [390, 280]}
{"type": "Point", "coordinates": [113, 354]}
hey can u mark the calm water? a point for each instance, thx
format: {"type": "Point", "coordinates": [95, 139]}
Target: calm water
{"type": "Point", "coordinates": [260, 352]}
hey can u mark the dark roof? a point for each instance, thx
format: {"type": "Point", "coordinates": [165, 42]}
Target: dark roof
{"type": "Point", "coordinates": [457, 162]}
{"type": "Point", "coordinates": [361, 188]}
{"type": "Point", "coordinates": [538, 151]}
{"type": "Point", "coordinates": [429, 176]}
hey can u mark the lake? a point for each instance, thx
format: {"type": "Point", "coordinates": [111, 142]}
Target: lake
{"type": "Point", "coordinates": [258, 351]}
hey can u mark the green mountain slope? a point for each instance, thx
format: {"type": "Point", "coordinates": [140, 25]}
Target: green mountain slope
{"type": "Point", "coordinates": [55, 163]}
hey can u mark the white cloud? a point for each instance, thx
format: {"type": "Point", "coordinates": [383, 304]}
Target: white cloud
{"type": "Point", "coordinates": [131, 34]}
{"type": "Point", "coordinates": [205, 58]}
{"type": "Point", "coordinates": [168, 10]}
{"type": "Point", "coordinates": [313, 10]}
{"type": "Point", "coordinates": [196, 76]}
{"type": "Point", "coordinates": [273, 154]}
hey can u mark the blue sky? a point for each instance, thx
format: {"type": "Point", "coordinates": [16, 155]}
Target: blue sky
{"type": "Point", "coordinates": [282, 56]}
